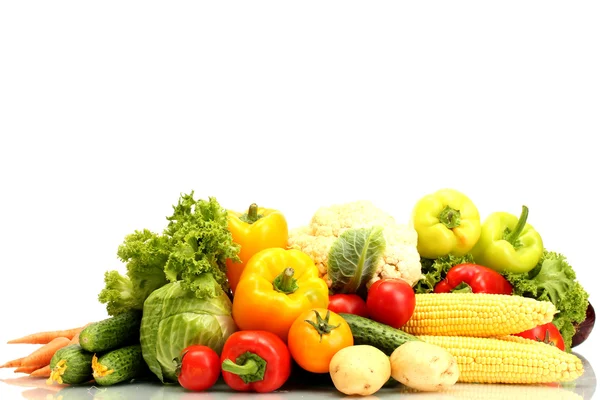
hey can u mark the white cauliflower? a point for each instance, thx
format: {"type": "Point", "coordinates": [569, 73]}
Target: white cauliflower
{"type": "Point", "coordinates": [400, 259]}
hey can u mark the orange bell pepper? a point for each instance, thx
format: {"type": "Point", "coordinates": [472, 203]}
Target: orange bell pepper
{"type": "Point", "coordinates": [256, 230]}
{"type": "Point", "coordinates": [277, 286]}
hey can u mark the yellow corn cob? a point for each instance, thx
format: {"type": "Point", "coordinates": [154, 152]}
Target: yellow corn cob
{"type": "Point", "coordinates": [508, 359]}
{"type": "Point", "coordinates": [476, 314]}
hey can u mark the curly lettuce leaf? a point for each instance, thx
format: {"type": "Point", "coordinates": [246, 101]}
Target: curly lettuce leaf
{"type": "Point", "coordinates": [201, 241]}
{"type": "Point", "coordinates": [118, 294]}
{"type": "Point", "coordinates": [353, 258]}
{"type": "Point", "coordinates": [435, 270]}
{"type": "Point", "coordinates": [145, 254]}
{"type": "Point", "coordinates": [554, 279]}
{"type": "Point", "coordinates": [195, 242]}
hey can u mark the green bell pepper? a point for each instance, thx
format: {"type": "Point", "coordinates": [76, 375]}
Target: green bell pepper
{"type": "Point", "coordinates": [508, 243]}
{"type": "Point", "coordinates": [447, 222]}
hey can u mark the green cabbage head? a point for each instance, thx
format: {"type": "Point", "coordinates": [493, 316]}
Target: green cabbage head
{"type": "Point", "coordinates": [174, 318]}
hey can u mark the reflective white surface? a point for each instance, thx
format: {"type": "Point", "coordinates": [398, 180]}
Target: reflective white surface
{"type": "Point", "coordinates": [583, 389]}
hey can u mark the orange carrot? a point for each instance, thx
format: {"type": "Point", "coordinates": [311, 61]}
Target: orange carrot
{"type": "Point", "coordinates": [75, 338]}
{"type": "Point", "coordinates": [26, 369]}
{"type": "Point", "coordinates": [43, 372]}
{"type": "Point", "coordinates": [13, 363]}
{"type": "Point", "coordinates": [43, 355]}
{"type": "Point", "coordinates": [46, 337]}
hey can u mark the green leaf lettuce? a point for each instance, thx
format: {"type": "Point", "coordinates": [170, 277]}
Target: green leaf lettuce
{"type": "Point", "coordinates": [554, 279]}
{"type": "Point", "coordinates": [195, 241]}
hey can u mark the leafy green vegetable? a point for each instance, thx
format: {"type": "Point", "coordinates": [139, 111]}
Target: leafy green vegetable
{"type": "Point", "coordinates": [553, 279]}
{"type": "Point", "coordinates": [118, 294]}
{"type": "Point", "coordinates": [201, 243]}
{"type": "Point", "coordinates": [353, 258]}
{"type": "Point", "coordinates": [195, 241]}
{"type": "Point", "coordinates": [175, 317]}
{"type": "Point", "coordinates": [435, 270]}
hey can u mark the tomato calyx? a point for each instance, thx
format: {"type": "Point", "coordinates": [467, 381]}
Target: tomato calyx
{"type": "Point", "coordinates": [546, 333]}
{"type": "Point", "coordinates": [285, 282]}
{"type": "Point", "coordinates": [546, 339]}
{"type": "Point", "coordinates": [250, 367]}
{"type": "Point", "coordinates": [178, 361]}
{"type": "Point", "coordinates": [322, 326]}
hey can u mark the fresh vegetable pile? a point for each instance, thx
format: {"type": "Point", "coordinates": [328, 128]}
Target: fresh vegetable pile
{"type": "Point", "coordinates": [353, 295]}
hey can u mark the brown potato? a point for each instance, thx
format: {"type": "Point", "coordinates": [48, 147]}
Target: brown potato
{"type": "Point", "coordinates": [424, 366]}
{"type": "Point", "coordinates": [359, 370]}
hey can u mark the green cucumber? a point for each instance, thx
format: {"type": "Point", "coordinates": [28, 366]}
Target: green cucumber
{"type": "Point", "coordinates": [119, 365]}
{"type": "Point", "coordinates": [112, 333]}
{"type": "Point", "coordinates": [71, 364]}
{"type": "Point", "coordinates": [382, 336]}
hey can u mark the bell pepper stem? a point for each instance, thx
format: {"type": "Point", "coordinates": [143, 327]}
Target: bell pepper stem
{"type": "Point", "coordinates": [285, 282]}
{"type": "Point", "coordinates": [252, 215]}
{"type": "Point", "coordinates": [462, 288]}
{"type": "Point", "coordinates": [450, 217]}
{"type": "Point", "coordinates": [250, 367]}
{"type": "Point", "coordinates": [514, 235]}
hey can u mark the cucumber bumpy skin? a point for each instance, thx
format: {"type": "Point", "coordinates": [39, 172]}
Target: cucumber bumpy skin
{"type": "Point", "coordinates": [118, 365]}
{"type": "Point", "coordinates": [70, 364]}
{"type": "Point", "coordinates": [381, 336]}
{"type": "Point", "coordinates": [112, 333]}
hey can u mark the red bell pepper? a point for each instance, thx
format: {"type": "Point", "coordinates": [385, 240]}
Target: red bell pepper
{"type": "Point", "coordinates": [257, 361]}
{"type": "Point", "coordinates": [473, 278]}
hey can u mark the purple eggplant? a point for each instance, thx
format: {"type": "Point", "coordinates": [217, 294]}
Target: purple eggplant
{"type": "Point", "coordinates": [583, 330]}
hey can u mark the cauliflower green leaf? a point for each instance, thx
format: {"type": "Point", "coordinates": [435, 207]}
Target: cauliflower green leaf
{"type": "Point", "coordinates": [353, 258]}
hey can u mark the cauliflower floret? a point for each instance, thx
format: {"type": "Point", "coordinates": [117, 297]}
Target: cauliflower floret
{"type": "Point", "coordinates": [400, 259]}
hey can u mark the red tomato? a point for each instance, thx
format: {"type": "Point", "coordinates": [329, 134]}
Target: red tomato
{"type": "Point", "coordinates": [547, 333]}
{"type": "Point", "coordinates": [349, 304]}
{"type": "Point", "coordinates": [391, 302]}
{"type": "Point", "coordinates": [200, 368]}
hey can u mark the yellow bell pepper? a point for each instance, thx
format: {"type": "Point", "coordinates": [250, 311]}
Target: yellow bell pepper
{"type": "Point", "coordinates": [258, 229]}
{"type": "Point", "coordinates": [277, 285]}
{"type": "Point", "coordinates": [447, 222]}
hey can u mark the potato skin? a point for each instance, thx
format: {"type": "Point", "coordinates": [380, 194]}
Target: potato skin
{"type": "Point", "coordinates": [359, 370]}
{"type": "Point", "coordinates": [423, 366]}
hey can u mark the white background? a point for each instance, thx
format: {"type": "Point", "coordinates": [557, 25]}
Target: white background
{"type": "Point", "coordinates": [110, 110]}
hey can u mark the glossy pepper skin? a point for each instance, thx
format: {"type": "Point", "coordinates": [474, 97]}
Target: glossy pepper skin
{"type": "Point", "coordinates": [255, 230]}
{"type": "Point", "coordinates": [276, 286]}
{"type": "Point", "coordinates": [508, 243]}
{"type": "Point", "coordinates": [475, 279]}
{"type": "Point", "coordinates": [255, 361]}
{"type": "Point", "coordinates": [447, 222]}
